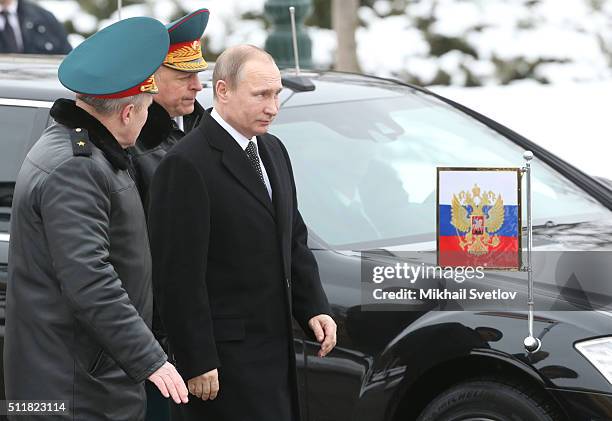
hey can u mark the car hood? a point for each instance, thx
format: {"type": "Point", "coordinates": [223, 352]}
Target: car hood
{"type": "Point", "coordinates": [571, 266]}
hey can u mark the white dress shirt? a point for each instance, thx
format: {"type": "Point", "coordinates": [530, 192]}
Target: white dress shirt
{"type": "Point", "coordinates": [179, 122]}
{"type": "Point", "coordinates": [14, 22]}
{"type": "Point", "coordinates": [243, 142]}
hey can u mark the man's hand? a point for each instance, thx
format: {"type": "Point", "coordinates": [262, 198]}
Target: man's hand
{"type": "Point", "coordinates": [205, 386]}
{"type": "Point", "coordinates": [170, 383]}
{"type": "Point", "coordinates": [324, 329]}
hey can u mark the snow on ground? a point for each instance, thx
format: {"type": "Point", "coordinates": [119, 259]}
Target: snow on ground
{"type": "Point", "coordinates": [571, 120]}
{"type": "Point", "coordinates": [389, 43]}
{"type": "Point", "coordinates": [324, 44]}
{"type": "Point", "coordinates": [225, 26]}
{"type": "Point", "coordinates": [386, 44]}
{"type": "Point", "coordinates": [70, 10]}
{"type": "Point", "coordinates": [572, 32]}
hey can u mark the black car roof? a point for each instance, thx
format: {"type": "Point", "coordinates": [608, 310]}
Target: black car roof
{"type": "Point", "coordinates": [35, 78]}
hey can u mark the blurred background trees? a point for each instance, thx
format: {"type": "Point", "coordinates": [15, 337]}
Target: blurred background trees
{"type": "Point", "coordinates": [428, 42]}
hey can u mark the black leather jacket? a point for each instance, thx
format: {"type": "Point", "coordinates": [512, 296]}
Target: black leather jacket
{"type": "Point", "coordinates": [159, 134]}
{"type": "Point", "coordinates": [79, 298]}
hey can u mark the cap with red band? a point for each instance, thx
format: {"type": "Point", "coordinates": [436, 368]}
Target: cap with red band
{"type": "Point", "coordinates": [185, 52]}
{"type": "Point", "coordinates": [105, 65]}
{"type": "Point", "coordinates": [148, 86]}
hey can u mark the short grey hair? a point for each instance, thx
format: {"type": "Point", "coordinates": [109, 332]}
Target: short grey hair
{"type": "Point", "coordinates": [108, 106]}
{"type": "Point", "coordinates": [230, 63]}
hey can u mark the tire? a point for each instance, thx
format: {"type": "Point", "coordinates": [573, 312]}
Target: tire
{"type": "Point", "coordinates": [489, 400]}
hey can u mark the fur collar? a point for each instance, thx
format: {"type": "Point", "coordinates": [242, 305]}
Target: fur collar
{"type": "Point", "coordinates": [159, 125]}
{"type": "Point", "coordinates": [157, 128]}
{"type": "Point", "coordinates": [66, 112]}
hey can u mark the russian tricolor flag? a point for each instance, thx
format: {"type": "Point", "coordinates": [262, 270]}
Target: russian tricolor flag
{"type": "Point", "coordinates": [472, 232]}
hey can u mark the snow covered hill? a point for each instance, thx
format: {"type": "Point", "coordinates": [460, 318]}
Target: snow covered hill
{"type": "Point", "coordinates": [574, 121]}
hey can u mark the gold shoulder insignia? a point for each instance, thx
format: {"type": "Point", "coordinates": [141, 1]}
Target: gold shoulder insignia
{"type": "Point", "coordinates": [81, 146]}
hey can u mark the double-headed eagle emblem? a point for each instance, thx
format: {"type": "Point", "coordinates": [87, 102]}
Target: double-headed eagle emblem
{"type": "Point", "coordinates": [480, 216]}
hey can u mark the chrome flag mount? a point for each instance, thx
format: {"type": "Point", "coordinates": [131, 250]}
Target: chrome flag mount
{"type": "Point", "coordinates": [479, 224]}
{"type": "Point", "coordinates": [531, 343]}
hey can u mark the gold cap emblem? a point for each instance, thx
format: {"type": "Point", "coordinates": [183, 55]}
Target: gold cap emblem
{"type": "Point", "coordinates": [149, 86]}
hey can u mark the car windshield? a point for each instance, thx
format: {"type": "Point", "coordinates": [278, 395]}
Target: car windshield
{"type": "Point", "coordinates": [366, 170]}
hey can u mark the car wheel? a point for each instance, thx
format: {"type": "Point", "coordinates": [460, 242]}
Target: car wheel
{"type": "Point", "coordinates": [489, 400]}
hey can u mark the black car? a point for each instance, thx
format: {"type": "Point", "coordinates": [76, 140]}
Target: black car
{"type": "Point", "coordinates": [365, 152]}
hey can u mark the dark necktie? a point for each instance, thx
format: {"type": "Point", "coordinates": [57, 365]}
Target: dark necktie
{"type": "Point", "coordinates": [175, 133]}
{"type": "Point", "coordinates": [251, 151]}
{"type": "Point", "coordinates": [176, 128]}
{"type": "Point", "coordinates": [8, 35]}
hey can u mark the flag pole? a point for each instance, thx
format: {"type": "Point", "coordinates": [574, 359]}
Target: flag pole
{"type": "Point", "coordinates": [531, 343]}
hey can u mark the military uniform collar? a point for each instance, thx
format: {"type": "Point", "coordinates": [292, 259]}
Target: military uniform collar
{"type": "Point", "coordinates": [156, 129]}
{"type": "Point", "coordinates": [159, 125]}
{"type": "Point", "coordinates": [66, 112]}
{"type": "Point", "coordinates": [190, 121]}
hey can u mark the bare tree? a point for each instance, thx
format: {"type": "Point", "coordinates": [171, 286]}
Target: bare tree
{"type": "Point", "coordinates": [344, 23]}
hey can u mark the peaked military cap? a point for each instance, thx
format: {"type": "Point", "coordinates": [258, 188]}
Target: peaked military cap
{"type": "Point", "coordinates": [185, 51]}
{"type": "Point", "coordinates": [117, 61]}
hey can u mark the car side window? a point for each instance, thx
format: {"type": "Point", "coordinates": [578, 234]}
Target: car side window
{"type": "Point", "coordinates": [366, 170]}
{"type": "Point", "coordinates": [21, 127]}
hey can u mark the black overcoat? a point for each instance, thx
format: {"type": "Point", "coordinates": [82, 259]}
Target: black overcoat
{"type": "Point", "coordinates": [159, 134]}
{"type": "Point", "coordinates": [231, 267]}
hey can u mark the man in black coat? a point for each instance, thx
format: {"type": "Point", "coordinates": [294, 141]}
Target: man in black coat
{"type": "Point", "coordinates": [231, 261]}
{"type": "Point", "coordinates": [27, 28]}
